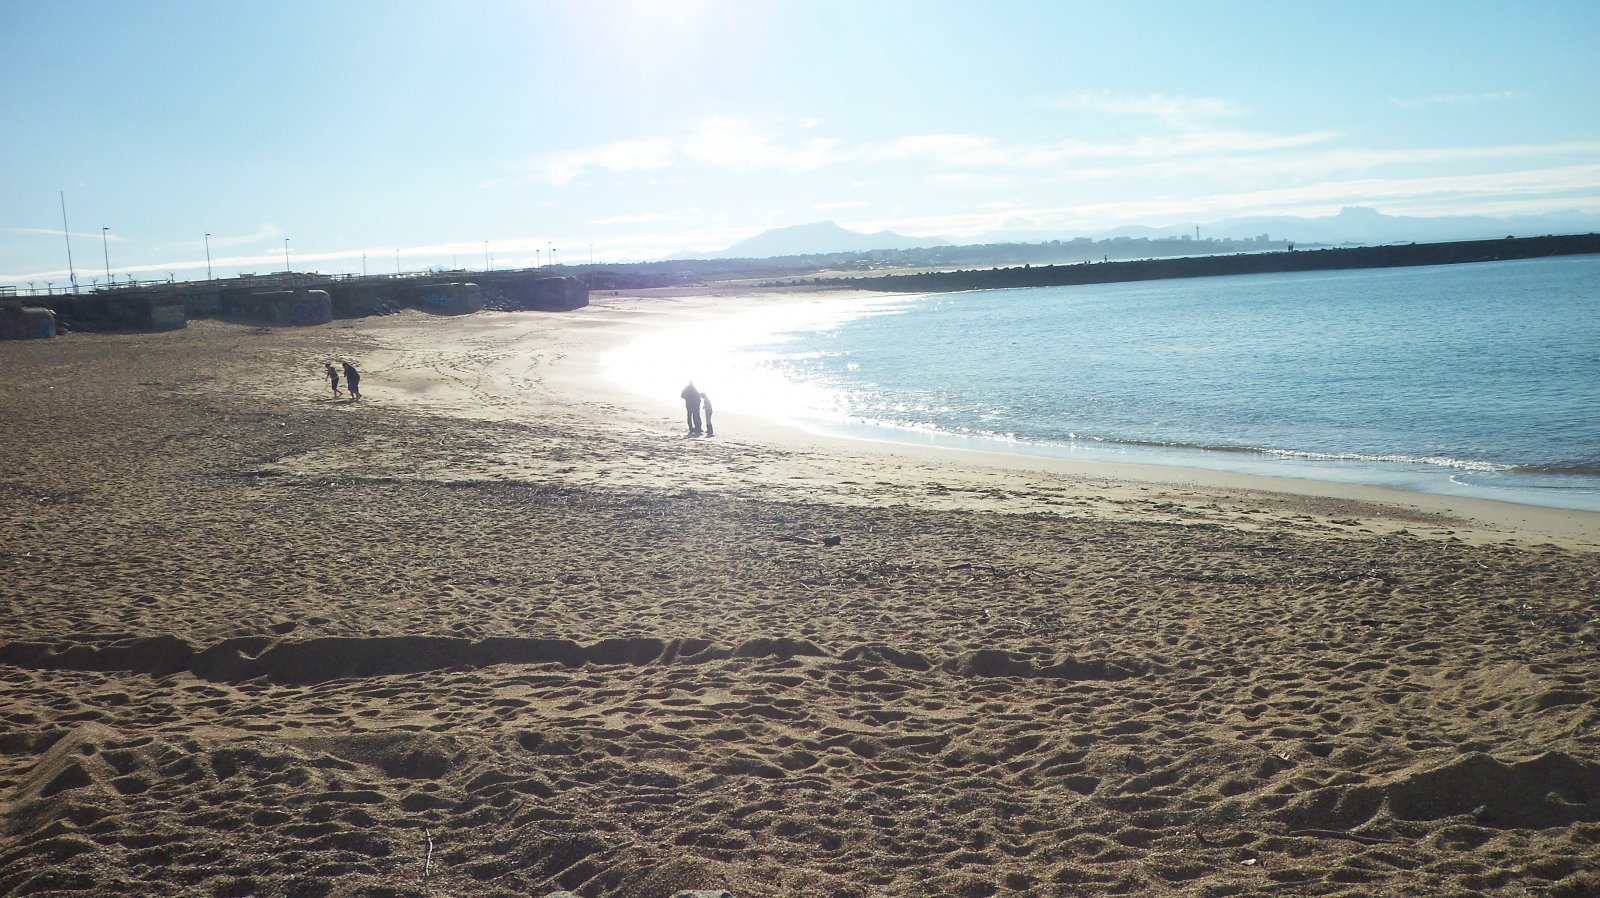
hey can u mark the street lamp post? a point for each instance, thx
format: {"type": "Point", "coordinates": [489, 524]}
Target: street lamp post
{"type": "Point", "coordinates": [107, 252]}
{"type": "Point", "coordinates": [486, 265]}
{"type": "Point", "coordinates": [286, 255]}
{"type": "Point", "coordinates": [208, 256]}
{"type": "Point", "coordinates": [363, 264]}
{"type": "Point", "coordinates": [397, 263]}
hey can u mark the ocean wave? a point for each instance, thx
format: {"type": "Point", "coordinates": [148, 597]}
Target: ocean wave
{"type": "Point", "coordinates": [1074, 440]}
{"type": "Point", "coordinates": [1571, 469]}
{"type": "Point", "coordinates": [1438, 461]}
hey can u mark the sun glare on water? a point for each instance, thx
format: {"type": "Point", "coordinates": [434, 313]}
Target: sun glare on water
{"type": "Point", "coordinates": [740, 360]}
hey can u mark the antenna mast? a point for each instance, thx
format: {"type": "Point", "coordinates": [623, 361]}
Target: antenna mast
{"type": "Point", "coordinates": [71, 271]}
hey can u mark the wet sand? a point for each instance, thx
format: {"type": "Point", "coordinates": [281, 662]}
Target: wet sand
{"type": "Point", "coordinates": [499, 629]}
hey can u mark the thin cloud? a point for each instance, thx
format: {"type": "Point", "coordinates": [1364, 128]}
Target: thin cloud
{"type": "Point", "coordinates": [741, 146]}
{"type": "Point", "coordinates": [262, 232]}
{"type": "Point", "coordinates": [1454, 99]}
{"type": "Point", "coordinates": [1174, 110]}
{"type": "Point", "coordinates": [1528, 191]}
{"type": "Point", "coordinates": [558, 169]}
{"type": "Point", "coordinates": [977, 151]}
{"type": "Point", "coordinates": [726, 143]}
{"type": "Point", "coordinates": [1535, 190]}
{"type": "Point", "coordinates": [1231, 166]}
{"type": "Point", "coordinates": [634, 219]}
{"type": "Point", "coordinates": [738, 145]}
{"type": "Point", "coordinates": [109, 235]}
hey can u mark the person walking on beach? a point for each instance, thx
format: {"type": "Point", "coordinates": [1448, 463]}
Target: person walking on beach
{"type": "Point", "coordinates": [353, 378]}
{"type": "Point", "coordinates": [333, 380]}
{"type": "Point", "coordinates": [691, 405]}
{"type": "Point", "coordinates": [705, 403]}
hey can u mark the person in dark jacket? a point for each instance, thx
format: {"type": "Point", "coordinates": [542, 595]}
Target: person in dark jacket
{"type": "Point", "coordinates": [353, 378]}
{"type": "Point", "coordinates": [691, 405]}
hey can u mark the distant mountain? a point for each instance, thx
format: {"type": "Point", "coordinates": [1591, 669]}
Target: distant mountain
{"type": "Point", "coordinates": [1353, 224]}
{"type": "Point", "coordinates": [818, 239]}
{"type": "Point", "coordinates": [1359, 224]}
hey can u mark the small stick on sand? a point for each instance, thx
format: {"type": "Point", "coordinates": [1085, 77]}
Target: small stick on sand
{"type": "Point", "coordinates": [427, 863]}
{"type": "Point", "coordinates": [1336, 834]}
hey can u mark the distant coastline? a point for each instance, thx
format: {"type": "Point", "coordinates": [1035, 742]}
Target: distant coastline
{"type": "Point", "coordinates": [1395, 256]}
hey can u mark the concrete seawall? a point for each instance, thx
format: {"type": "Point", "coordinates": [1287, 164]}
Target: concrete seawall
{"type": "Point", "coordinates": [449, 299]}
{"type": "Point", "coordinates": [297, 307]}
{"type": "Point", "coordinates": [307, 299]}
{"type": "Point", "coordinates": [122, 310]}
{"type": "Point", "coordinates": [531, 292]}
{"type": "Point", "coordinates": [1408, 255]}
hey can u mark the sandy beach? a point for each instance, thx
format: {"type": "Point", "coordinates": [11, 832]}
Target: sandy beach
{"type": "Point", "coordinates": [500, 629]}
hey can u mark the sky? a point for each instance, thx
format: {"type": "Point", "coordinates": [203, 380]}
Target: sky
{"type": "Point", "coordinates": [397, 134]}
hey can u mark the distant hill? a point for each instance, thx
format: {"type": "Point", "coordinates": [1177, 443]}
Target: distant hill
{"type": "Point", "coordinates": [1360, 224]}
{"type": "Point", "coordinates": [1353, 224]}
{"type": "Point", "coordinates": [821, 238]}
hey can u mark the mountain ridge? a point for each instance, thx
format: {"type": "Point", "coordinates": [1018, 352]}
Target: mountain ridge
{"type": "Point", "coordinates": [1352, 225]}
{"type": "Point", "coordinates": [814, 239]}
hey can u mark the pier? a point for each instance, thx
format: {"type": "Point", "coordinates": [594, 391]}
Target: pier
{"type": "Point", "coordinates": [284, 298]}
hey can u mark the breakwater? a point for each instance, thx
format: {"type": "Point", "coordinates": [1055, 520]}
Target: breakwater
{"type": "Point", "coordinates": [1412, 254]}
{"type": "Point", "coordinates": [295, 298]}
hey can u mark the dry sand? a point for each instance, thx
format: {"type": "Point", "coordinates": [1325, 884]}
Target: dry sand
{"type": "Point", "coordinates": [498, 630]}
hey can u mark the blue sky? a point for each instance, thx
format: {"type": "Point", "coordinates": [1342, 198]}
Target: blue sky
{"type": "Point", "coordinates": [645, 127]}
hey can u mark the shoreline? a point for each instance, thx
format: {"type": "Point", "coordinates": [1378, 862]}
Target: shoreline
{"type": "Point", "coordinates": [1474, 519]}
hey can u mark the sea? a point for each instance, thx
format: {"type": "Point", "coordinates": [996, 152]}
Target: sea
{"type": "Point", "coordinates": [1475, 380]}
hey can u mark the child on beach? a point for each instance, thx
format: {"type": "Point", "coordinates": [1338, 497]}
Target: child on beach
{"type": "Point", "coordinates": [705, 403]}
{"type": "Point", "coordinates": [333, 380]}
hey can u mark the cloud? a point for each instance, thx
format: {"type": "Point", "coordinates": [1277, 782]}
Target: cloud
{"type": "Point", "coordinates": [977, 161]}
{"type": "Point", "coordinates": [1454, 99]}
{"type": "Point", "coordinates": [1527, 191]}
{"type": "Point", "coordinates": [645, 154]}
{"type": "Point", "coordinates": [976, 151]}
{"type": "Point", "coordinates": [742, 146]}
{"type": "Point", "coordinates": [721, 142]}
{"type": "Point", "coordinates": [1320, 164]}
{"type": "Point", "coordinates": [110, 236]}
{"type": "Point", "coordinates": [262, 232]}
{"type": "Point", "coordinates": [634, 219]}
{"type": "Point", "coordinates": [1523, 191]}
{"type": "Point", "coordinates": [1174, 110]}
